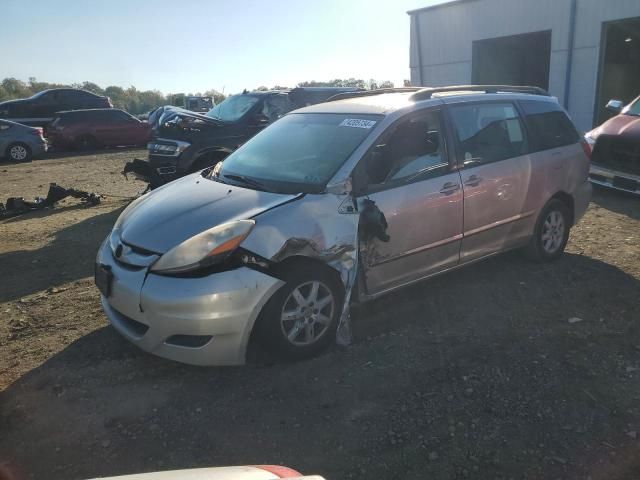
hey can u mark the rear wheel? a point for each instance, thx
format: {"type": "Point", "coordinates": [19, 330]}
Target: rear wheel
{"type": "Point", "coordinates": [301, 319]}
{"type": "Point", "coordinates": [18, 152]}
{"type": "Point", "coordinates": [86, 142]}
{"type": "Point", "coordinates": [551, 233]}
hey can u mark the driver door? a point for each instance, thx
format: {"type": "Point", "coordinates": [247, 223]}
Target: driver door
{"type": "Point", "coordinates": [416, 187]}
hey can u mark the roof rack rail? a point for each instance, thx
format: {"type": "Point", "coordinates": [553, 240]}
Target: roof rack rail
{"type": "Point", "coordinates": [368, 93]}
{"type": "Point", "coordinates": [427, 93]}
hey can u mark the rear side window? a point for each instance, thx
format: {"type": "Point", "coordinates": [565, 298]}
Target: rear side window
{"type": "Point", "coordinates": [115, 116]}
{"type": "Point", "coordinates": [549, 127]}
{"type": "Point", "coordinates": [73, 117]}
{"type": "Point", "coordinates": [488, 132]}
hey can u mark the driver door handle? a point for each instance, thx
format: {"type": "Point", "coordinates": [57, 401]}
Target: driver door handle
{"type": "Point", "coordinates": [473, 181]}
{"type": "Point", "coordinates": [449, 188]}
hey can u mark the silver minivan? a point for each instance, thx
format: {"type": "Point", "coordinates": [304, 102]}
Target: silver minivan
{"type": "Point", "coordinates": [340, 202]}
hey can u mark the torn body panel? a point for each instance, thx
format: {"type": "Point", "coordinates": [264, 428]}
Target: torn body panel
{"type": "Point", "coordinates": [316, 229]}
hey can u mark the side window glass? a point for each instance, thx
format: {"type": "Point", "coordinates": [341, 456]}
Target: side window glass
{"type": "Point", "coordinates": [414, 149]}
{"type": "Point", "coordinates": [68, 98]}
{"type": "Point", "coordinates": [548, 125]}
{"type": "Point", "coordinates": [275, 107]}
{"type": "Point", "coordinates": [488, 132]}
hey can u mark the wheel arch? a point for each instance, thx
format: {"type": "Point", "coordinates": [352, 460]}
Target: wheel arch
{"type": "Point", "coordinates": [567, 199]}
{"type": "Point", "coordinates": [280, 268]}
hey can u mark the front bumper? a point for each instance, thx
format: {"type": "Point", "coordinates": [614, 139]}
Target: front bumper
{"type": "Point", "coordinates": [615, 179]}
{"type": "Point", "coordinates": [167, 315]}
{"type": "Point", "coordinates": [168, 166]}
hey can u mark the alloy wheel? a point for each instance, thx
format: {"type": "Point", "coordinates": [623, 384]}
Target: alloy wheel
{"type": "Point", "coordinates": [307, 313]}
{"type": "Point", "coordinates": [18, 153]}
{"type": "Point", "coordinates": [553, 230]}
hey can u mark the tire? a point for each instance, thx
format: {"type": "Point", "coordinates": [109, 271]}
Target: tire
{"type": "Point", "coordinates": [86, 142]}
{"type": "Point", "coordinates": [551, 233]}
{"type": "Point", "coordinates": [296, 324]}
{"type": "Point", "coordinates": [18, 152]}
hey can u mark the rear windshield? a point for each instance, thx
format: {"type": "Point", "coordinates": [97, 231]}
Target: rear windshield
{"type": "Point", "coordinates": [549, 127]}
{"type": "Point", "coordinates": [300, 152]}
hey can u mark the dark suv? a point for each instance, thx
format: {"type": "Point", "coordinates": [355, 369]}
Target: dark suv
{"type": "Point", "coordinates": [185, 141]}
{"type": "Point", "coordinates": [40, 108]}
{"type": "Point", "coordinates": [105, 127]}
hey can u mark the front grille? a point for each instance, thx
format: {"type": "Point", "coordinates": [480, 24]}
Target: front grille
{"type": "Point", "coordinates": [618, 154]}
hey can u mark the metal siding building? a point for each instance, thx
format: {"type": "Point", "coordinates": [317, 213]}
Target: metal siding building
{"type": "Point", "coordinates": [446, 39]}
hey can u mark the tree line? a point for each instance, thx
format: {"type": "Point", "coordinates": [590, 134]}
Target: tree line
{"type": "Point", "coordinates": [137, 101]}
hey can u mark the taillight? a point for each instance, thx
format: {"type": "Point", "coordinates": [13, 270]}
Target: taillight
{"type": "Point", "coordinates": [37, 131]}
{"type": "Point", "coordinates": [587, 148]}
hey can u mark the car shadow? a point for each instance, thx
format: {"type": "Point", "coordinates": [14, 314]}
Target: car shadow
{"type": "Point", "coordinates": [616, 201]}
{"type": "Point", "coordinates": [502, 326]}
{"type": "Point", "coordinates": [69, 256]}
{"type": "Point", "coordinates": [46, 212]}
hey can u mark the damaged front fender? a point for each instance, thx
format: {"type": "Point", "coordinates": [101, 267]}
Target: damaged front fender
{"type": "Point", "coordinates": [318, 227]}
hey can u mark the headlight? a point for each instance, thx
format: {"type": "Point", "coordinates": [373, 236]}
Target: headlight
{"type": "Point", "coordinates": [206, 248]}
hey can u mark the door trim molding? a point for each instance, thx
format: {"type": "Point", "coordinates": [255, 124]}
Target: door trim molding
{"type": "Point", "coordinates": [408, 253]}
{"type": "Point", "coordinates": [499, 223]}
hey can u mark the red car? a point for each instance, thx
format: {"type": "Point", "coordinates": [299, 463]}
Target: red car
{"type": "Point", "coordinates": [102, 127]}
{"type": "Point", "coordinates": [616, 148]}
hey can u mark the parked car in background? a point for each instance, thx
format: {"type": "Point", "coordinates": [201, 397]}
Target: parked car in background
{"type": "Point", "coordinates": [40, 109]}
{"type": "Point", "coordinates": [393, 188]}
{"type": "Point", "coordinates": [186, 142]}
{"type": "Point", "coordinates": [615, 162]}
{"type": "Point", "coordinates": [21, 143]}
{"type": "Point", "coordinates": [88, 129]}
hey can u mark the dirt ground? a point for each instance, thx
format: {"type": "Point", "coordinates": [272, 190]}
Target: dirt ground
{"type": "Point", "coordinates": [505, 369]}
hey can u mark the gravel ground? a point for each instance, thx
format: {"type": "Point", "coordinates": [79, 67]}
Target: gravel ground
{"type": "Point", "coordinates": [505, 369]}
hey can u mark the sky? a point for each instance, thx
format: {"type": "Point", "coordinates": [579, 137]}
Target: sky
{"type": "Point", "coordinates": [195, 45]}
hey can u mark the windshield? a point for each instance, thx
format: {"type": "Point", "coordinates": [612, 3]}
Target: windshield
{"type": "Point", "coordinates": [233, 108]}
{"type": "Point", "coordinates": [299, 152]}
{"type": "Point", "coordinates": [38, 95]}
{"type": "Point", "coordinates": [634, 108]}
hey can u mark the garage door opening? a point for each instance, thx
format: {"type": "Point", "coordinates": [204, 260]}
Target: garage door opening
{"type": "Point", "coordinates": [619, 65]}
{"type": "Point", "coordinates": [514, 60]}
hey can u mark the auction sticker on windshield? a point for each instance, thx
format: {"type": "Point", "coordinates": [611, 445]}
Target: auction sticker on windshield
{"type": "Point", "coordinates": [357, 123]}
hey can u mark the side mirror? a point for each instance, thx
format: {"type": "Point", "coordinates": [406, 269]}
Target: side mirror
{"type": "Point", "coordinates": [259, 120]}
{"type": "Point", "coordinates": [615, 106]}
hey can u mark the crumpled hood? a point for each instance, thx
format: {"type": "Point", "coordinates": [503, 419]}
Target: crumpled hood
{"type": "Point", "coordinates": [179, 210]}
{"type": "Point", "coordinates": [625, 126]}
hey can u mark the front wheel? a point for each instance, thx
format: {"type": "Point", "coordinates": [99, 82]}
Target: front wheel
{"type": "Point", "coordinates": [301, 319]}
{"type": "Point", "coordinates": [551, 233]}
{"type": "Point", "coordinates": [18, 152]}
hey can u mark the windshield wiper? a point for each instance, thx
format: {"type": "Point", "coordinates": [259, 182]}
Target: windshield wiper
{"type": "Point", "coordinates": [246, 180]}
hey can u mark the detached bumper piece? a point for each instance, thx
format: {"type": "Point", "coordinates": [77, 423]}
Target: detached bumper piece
{"type": "Point", "coordinates": [142, 170]}
{"type": "Point", "coordinates": [18, 205]}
